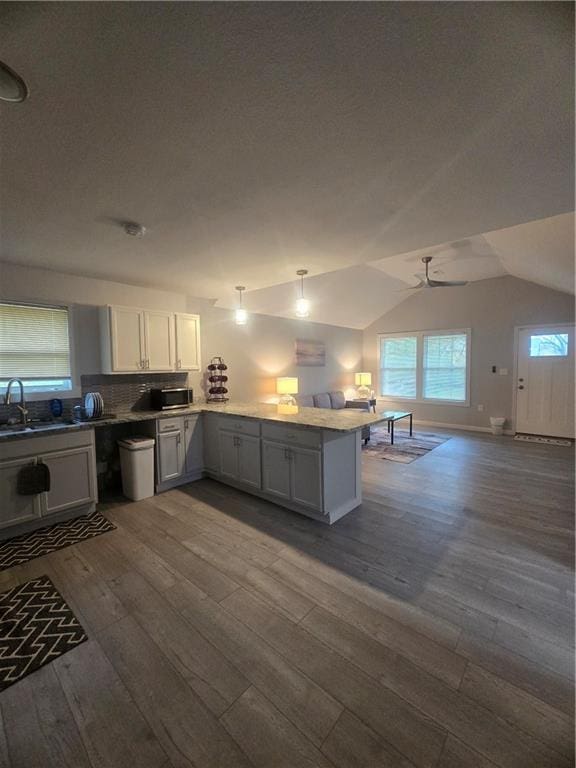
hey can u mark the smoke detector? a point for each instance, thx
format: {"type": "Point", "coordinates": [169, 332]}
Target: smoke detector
{"type": "Point", "coordinates": [133, 229]}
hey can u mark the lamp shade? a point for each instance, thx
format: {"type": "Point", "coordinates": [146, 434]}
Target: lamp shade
{"type": "Point", "coordinates": [363, 379]}
{"type": "Point", "coordinates": [287, 385]}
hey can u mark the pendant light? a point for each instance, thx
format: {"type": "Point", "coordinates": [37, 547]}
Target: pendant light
{"type": "Point", "coordinates": [240, 316]}
{"type": "Point", "coordinates": [302, 304]}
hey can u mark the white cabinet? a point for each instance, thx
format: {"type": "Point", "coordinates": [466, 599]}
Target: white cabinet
{"type": "Point", "coordinates": [293, 473]}
{"type": "Point", "coordinates": [16, 508]}
{"type": "Point", "coordinates": [193, 444]}
{"type": "Point", "coordinates": [211, 442]}
{"type": "Point", "coordinates": [170, 456]}
{"type": "Point", "coordinates": [306, 477]}
{"type": "Point", "coordinates": [276, 469]}
{"type": "Point", "coordinates": [240, 458]}
{"type": "Point", "coordinates": [123, 329]}
{"type": "Point", "coordinates": [187, 342]}
{"type": "Point", "coordinates": [134, 340]}
{"type": "Point", "coordinates": [179, 450]}
{"type": "Point", "coordinates": [71, 461]}
{"type": "Point", "coordinates": [71, 481]}
{"type": "Point", "coordinates": [159, 341]}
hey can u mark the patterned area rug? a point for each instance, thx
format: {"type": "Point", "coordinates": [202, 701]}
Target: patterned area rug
{"type": "Point", "coordinates": [45, 540]}
{"type": "Point", "coordinates": [405, 450]}
{"type": "Point", "coordinates": [546, 440]}
{"type": "Point", "coordinates": [36, 626]}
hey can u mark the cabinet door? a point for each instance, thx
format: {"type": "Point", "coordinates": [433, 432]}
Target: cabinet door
{"type": "Point", "coordinates": [170, 455]}
{"type": "Point", "coordinates": [228, 443]}
{"type": "Point", "coordinates": [127, 338]}
{"type": "Point", "coordinates": [72, 481]}
{"type": "Point", "coordinates": [211, 443]}
{"type": "Point", "coordinates": [193, 442]}
{"type": "Point", "coordinates": [276, 469]}
{"type": "Point", "coordinates": [15, 508]}
{"type": "Point", "coordinates": [187, 342]}
{"type": "Point", "coordinates": [306, 478]}
{"type": "Point", "coordinates": [249, 460]}
{"type": "Point", "coordinates": [159, 335]}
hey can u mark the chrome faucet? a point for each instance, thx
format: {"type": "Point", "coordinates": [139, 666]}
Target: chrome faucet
{"type": "Point", "coordinates": [22, 405]}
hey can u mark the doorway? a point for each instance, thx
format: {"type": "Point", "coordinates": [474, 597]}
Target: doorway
{"type": "Point", "coordinates": [545, 381]}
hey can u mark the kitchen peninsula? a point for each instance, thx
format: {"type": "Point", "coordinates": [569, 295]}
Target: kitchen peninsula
{"type": "Point", "coordinates": [305, 459]}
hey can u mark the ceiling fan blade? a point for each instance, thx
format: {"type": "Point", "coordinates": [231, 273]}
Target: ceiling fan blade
{"type": "Point", "coordinates": [421, 284]}
{"type": "Point", "coordinates": [446, 283]}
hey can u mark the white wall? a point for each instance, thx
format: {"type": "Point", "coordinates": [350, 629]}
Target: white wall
{"type": "Point", "coordinates": [491, 308]}
{"type": "Point", "coordinates": [256, 353]}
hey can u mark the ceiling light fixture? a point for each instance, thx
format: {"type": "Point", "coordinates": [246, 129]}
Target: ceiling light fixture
{"type": "Point", "coordinates": [133, 229]}
{"type": "Point", "coordinates": [302, 304]}
{"type": "Point", "coordinates": [12, 87]}
{"type": "Point", "coordinates": [240, 316]}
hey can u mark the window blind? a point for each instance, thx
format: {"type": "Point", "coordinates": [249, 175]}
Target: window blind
{"type": "Point", "coordinates": [398, 366]}
{"type": "Point", "coordinates": [444, 365]}
{"type": "Point", "coordinates": [34, 342]}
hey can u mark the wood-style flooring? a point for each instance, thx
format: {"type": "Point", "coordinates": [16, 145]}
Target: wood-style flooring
{"type": "Point", "coordinates": [433, 626]}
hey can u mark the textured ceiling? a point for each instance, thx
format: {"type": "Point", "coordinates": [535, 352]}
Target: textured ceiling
{"type": "Point", "coordinates": [253, 139]}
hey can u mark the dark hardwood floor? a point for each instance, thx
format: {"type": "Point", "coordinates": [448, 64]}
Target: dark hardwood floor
{"type": "Point", "coordinates": [433, 626]}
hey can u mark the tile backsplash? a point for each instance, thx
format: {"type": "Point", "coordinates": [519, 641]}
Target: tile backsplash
{"type": "Point", "coordinates": [122, 392]}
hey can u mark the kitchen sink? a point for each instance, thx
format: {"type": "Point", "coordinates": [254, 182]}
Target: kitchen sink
{"type": "Point", "coordinates": [11, 428]}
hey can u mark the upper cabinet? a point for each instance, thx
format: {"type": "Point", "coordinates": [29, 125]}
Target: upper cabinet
{"type": "Point", "coordinates": [135, 340]}
{"type": "Point", "coordinates": [159, 341]}
{"type": "Point", "coordinates": [187, 342]}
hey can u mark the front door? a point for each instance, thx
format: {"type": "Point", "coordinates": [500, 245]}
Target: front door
{"type": "Point", "coordinates": [545, 381]}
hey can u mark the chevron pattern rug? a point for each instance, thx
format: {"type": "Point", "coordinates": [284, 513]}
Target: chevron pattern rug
{"type": "Point", "coordinates": [36, 626]}
{"type": "Point", "coordinates": [45, 540]}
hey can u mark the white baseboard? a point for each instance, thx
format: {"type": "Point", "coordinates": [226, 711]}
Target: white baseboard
{"type": "Point", "coordinates": [464, 427]}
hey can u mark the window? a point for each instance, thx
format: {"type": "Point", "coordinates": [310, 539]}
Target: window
{"type": "Point", "coordinates": [549, 345]}
{"type": "Point", "coordinates": [425, 366]}
{"type": "Point", "coordinates": [35, 347]}
{"type": "Point", "coordinates": [398, 366]}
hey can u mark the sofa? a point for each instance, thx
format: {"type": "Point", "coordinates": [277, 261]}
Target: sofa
{"type": "Point", "coordinates": [336, 401]}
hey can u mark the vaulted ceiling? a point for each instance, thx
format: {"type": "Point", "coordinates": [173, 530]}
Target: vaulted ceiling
{"type": "Point", "coordinates": [253, 139]}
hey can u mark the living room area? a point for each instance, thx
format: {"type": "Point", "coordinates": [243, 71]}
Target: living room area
{"type": "Point", "coordinates": [287, 332]}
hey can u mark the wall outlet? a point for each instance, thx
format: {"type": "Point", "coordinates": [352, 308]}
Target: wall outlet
{"type": "Point", "coordinates": [480, 407]}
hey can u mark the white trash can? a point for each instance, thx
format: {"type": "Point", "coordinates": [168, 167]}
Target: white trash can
{"type": "Point", "coordinates": [497, 424]}
{"type": "Point", "coordinates": [137, 465]}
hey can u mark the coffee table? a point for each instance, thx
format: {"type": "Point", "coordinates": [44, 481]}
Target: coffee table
{"type": "Point", "coordinates": [393, 416]}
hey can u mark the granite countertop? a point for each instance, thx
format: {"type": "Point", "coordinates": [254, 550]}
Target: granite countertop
{"type": "Point", "coordinates": [343, 420]}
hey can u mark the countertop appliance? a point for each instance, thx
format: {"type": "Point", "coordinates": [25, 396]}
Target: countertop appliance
{"type": "Point", "coordinates": [170, 399]}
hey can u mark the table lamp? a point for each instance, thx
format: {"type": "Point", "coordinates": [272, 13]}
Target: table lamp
{"type": "Point", "coordinates": [286, 386]}
{"type": "Point", "coordinates": [363, 381]}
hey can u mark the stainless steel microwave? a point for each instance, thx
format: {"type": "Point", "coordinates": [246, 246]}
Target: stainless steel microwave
{"type": "Point", "coordinates": [169, 399]}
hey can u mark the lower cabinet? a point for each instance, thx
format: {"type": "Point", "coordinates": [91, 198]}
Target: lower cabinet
{"type": "Point", "coordinates": [179, 450]}
{"type": "Point", "coordinates": [293, 473]}
{"type": "Point", "coordinates": [240, 458]}
{"type": "Point", "coordinates": [16, 508]}
{"type": "Point", "coordinates": [71, 461]}
{"type": "Point", "coordinates": [71, 481]}
{"type": "Point", "coordinates": [170, 456]}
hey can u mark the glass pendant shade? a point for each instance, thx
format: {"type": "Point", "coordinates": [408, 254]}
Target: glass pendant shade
{"type": "Point", "coordinates": [302, 307]}
{"type": "Point", "coordinates": [241, 316]}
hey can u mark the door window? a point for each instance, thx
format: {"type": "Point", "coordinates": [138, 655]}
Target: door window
{"type": "Point", "coordinates": [549, 345]}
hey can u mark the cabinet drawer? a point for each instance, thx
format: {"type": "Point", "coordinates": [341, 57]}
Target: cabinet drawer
{"type": "Point", "coordinates": [311, 438]}
{"type": "Point", "coordinates": [170, 425]}
{"type": "Point", "coordinates": [243, 426]}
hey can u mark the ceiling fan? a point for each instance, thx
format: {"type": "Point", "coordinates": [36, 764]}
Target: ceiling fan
{"type": "Point", "coordinates": [428, 282]}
